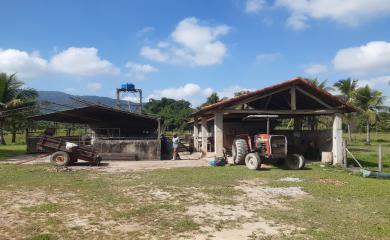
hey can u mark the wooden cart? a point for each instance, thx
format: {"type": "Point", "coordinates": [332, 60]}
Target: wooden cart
{"type": "Point", "coordinates": [63, 156]}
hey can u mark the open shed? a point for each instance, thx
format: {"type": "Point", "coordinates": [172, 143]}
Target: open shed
{"type": "Point", "coordinates": [111, 131]}
{"type": "Point", "coordinates": [293, 99]}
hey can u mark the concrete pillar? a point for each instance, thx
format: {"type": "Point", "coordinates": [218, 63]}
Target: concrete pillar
{"type": "Point", "coordinates": [196, 134]}
{"type": "Point", "coordinates": [337, 140]}
{"type": "Point", "coordinates": [204, 136]}
{"type": "Point", "coordinates": [293, 99]}
{"type": "Point", "coordinates": [218, 134]}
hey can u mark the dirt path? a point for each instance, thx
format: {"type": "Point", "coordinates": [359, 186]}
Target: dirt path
{"type": "Point", "coordinates": [117, 166]}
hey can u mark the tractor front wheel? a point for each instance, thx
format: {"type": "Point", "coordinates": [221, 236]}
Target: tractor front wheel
{"type": "Point", "coordinates": [239, 150]}
{"type": "Point", "coordinates": [253, 161]}
{"type": "Point", "coordinates": [295, 162]}
{"type": "Point", "coordinates": [60, 158]}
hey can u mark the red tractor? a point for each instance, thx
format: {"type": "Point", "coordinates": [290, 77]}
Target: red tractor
{"type": "Point", "coordinates": [264, 148]}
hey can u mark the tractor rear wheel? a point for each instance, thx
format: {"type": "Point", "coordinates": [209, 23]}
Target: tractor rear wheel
{"type": "Point", "coordinates": [60, 158]}
{"type": "Point", "coordinates": [253, 161]}
{"type": "Point", "coordinates": [295, 162]}
{"type": "Point", "coordinates": [239, 150]}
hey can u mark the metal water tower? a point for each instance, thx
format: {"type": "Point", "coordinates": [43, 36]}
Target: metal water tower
{"type": "Point", "coordinates": [128, 87]}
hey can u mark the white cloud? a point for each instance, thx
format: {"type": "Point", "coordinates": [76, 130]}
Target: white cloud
{"type": "Point", "coordinates": [25, 64]}
{"type": "Point", "coordinates": [380, 83]}
{"type": "Point", "coordinates": [70, 90]}
{"type": "Point", "coordinates": [191, 92]}
{"type": "Point", "coordinates": [297, 22]}
{"type": "Point", "coordinates": [254, 6]}
{"type": "Point", "coordinates": [267, 57]}
{"type": "Point", "coordinates": [94, 87]}
{"type": "Point", "coordinates": [139, 71]}
{"type": "Point", "coordinates": [190, 43]}
{"type": "Point", "coordinates": [145, 31]}
{"type": "Point", "coordinates": [315, 69]}
{"type": "Point", "coordinates": [131, 98]}
{"type": "Point", "coordinates": [194, 93]}
{"type": "Point", "coordinates": [374, 57]}
{"type": "Point", "coordinates": [183, 92]}
{"type": "Point", "coordinates": [154, 54]}
{"type": "Point", "coordinates": [349, 12]}
{"type": "Point", "coordinates": [81, 61]}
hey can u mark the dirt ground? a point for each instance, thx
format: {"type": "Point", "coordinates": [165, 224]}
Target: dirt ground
{"type": "Point", "coordinates": [188, 160]}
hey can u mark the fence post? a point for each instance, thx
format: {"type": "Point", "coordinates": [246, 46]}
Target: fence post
{"type": "Point", "coordinates": [380, 158]}
{"type": "Point", "coordinates": [345, 159]}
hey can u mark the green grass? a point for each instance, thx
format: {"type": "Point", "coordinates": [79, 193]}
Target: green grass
{"type": "Point", "coordinates": [44, 208]}
{"type": "Point", "coordinates": [368, 154]}
{"type": "Point", "coordinates": [42, 237]}
{"type": "Point", "coordinates": [8, 151]}
{"type": "Point", "coordinates": [340, 206]}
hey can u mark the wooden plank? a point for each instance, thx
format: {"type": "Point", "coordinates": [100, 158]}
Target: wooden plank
{"type": "Point", "coordinates": [268, 101]}
{"type": "Point", "coordinates": [314, 97]}
{"type": "Point", "coordinates": [256, 97]}
{"type": "Point", "coordinates": [283, 112]}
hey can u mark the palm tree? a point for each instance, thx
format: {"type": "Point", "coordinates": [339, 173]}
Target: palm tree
{"type": "Point", "coordinates": [315, 121]}
{"type": "Point", "coordinates": [368, 100]}
{"type": "Point", "coordinates": [347, 87]}
{"type": "Point", "coordinates": [13, 95]}
{"type": "Point", "coordinates": [322, 85]}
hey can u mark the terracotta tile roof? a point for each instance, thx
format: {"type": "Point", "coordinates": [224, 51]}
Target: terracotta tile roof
{"type": "Point", "coordinates": [293, 81]}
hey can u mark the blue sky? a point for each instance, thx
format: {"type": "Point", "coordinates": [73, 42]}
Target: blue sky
{"type": "Point", "coordinates": [188, 49]}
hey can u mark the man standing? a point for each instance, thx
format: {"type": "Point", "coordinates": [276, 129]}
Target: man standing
{"type": "Point", "coordinates": [175, 145]}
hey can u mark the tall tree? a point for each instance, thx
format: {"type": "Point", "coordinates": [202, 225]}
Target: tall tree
{"type": "Point", "coordinates": [13, 95]}
{"type": "Point", "coordinates": [347, 87]}
{"type": "Point", "coordinates": [213, 98]}
{"type": "Point", "coordinates": [368, 100]}
{"type": "Point", "coordinates": [239, 93]}
{"type": "Point", "coordinates": [173, 112]}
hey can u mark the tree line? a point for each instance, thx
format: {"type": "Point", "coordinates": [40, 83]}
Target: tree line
{"type": "Point", "coordinates": [16, 98]}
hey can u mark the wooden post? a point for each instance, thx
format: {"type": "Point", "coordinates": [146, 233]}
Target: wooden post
{"type": "Point", "coordinates": [218, 134]}
{"type": "Point", "coordinates": [204, 136]}
{"type": "Point", "coordinates": [27, 141]}
{"type": "Point", "coordinates": [196, 134]}
{"type": "Point", "coordinates": [345, 159]}
{"type": "Point", "coordinates": [380, 158]}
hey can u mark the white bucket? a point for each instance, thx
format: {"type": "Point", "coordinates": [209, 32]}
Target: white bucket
{"type": "Point", "coordinates": [327, 157]}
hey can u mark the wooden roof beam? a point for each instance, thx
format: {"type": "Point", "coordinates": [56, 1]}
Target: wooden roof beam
{"type": "Point", "coordinates": [314, 97]}
{"type": "Point", "coordinates": [284, 112]}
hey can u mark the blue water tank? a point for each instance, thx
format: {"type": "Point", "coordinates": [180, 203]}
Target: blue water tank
{"type": "Point", "coordinates": [128, 86]}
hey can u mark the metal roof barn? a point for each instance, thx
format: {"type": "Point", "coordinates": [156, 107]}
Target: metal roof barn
{"type": "Point", "coordinates": [114, 133]}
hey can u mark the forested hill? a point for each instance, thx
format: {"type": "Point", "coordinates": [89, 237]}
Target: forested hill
{"type": "Point", "coordinates": [66, 100]}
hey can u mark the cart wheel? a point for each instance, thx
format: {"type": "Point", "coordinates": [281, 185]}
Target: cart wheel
{"type": "Point", "coordinates": [295, 162]}
{"type": "Point", "coordinates": [60, 158]}
{"type": "Point", "coordinates": [253, 161]}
